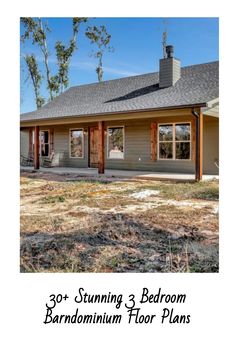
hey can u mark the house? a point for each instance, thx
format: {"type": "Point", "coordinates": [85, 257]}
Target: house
{"type": "Point", "coordinates": [160, 122]}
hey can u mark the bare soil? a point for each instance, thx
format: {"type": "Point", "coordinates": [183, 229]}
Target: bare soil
{"type": "Point", "coordinates": [75, 224]}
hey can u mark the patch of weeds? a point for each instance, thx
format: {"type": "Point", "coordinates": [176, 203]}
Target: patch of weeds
{"type": "Point", "coordinates": [207, 190]}
{"type": "Point", "coordinates": [209, 193]}
{"type": "Point", "coordinates": [175, 248]}
{"type": "Point", "coordinates": [89, 181]}
{"type": "Point", "coordinates": [203, 258]}
{"type": "Point", "coordinates": [57, 223]}
{"type": "Point", "coordinates": [53, 199]}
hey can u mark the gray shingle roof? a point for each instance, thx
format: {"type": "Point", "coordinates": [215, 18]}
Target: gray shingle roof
{"type": "Point", "coordinates": [198, 84]}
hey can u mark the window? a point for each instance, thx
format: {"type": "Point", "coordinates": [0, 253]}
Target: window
{"type": "Point", "coordinates": [44, 142]}
{"type": "Point", "coordinates": [77, 143]}
{"type": "Point", "coordinates": [115, 142]}
{"type": "Point", "coordinates": [174, 141]}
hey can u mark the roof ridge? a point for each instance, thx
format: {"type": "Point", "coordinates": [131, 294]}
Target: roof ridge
{"type": "Point", "coordinates": [133, 76]}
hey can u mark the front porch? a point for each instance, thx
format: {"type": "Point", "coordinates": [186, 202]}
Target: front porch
{"type": "Point", "coordinates": [93, 172]}
{"type": "Point", "coordinates": [130, 146]}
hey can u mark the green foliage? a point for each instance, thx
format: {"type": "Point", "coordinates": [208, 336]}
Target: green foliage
{"type": "Point", "coordinates": [101, 38]}
{"type": "Point", "coordinates": [53, 199]}
{"type": "Point", "coordinates": [36, 30]}
{"type": "Point", "coordinates": [31, 27]}
{"type": "Point", "coordinates": [36, 78]}
{"type": "Point", "coordinates": [64, 54]}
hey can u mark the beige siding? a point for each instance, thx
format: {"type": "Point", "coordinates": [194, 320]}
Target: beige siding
{"type": "Point", "coordinates": [137, 153]}
{"type": "Point", "coordinates": [24, 142]}
{"type": "Point", "coordinates": [210, 145]}
{"type": "Point", "coordinates": [61, 147]}
{"type": "Point", "coordinates": [138, 150]}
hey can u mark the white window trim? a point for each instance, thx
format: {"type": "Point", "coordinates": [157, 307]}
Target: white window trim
{"type": "Point", "coordinates": [49, 142]}
{"type": "Point", "coordinates": [76, 157]}
{"type": "Point", "coordinates": [173, 141]}
{"type": "Point", "coordinates": [116, 126]}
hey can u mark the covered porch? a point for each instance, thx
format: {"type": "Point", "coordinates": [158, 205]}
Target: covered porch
{"type": "Point", "coordinates": [140, 145]}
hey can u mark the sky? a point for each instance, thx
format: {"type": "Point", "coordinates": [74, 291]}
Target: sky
{"type": "Point", "coordinates": [137, 49]}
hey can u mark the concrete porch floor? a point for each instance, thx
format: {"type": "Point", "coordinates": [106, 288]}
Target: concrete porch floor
{"type": "Point", "coordinates": [93, 172]}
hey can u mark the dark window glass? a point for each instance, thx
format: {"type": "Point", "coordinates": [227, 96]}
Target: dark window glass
{"type": "Point", "coordinates": [182, 132]}
{"type": "Point", "coordinates": [174, 141]}
{"type": "Point", "coordinates": [44, 143]}
{"type": "Point", "coordinates": [182, 151]}
{"type": "Point", "coordinates": [165, 132]}
{"type": "Point", "coordinates": [166, 150]}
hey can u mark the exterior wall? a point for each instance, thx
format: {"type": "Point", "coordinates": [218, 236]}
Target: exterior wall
{"type": "Point", "coordinates": [24, 142]}
{"type": "Point", "coordinates": [137, 152]}
{"type": "Point", "coordinates": [61, 147]}
{"type": "Point", "coordinates": [210, 145]}
{"type": "Point", "coordinates": [137, 146]}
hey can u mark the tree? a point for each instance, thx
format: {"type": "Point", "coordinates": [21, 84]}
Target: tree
{"type": "Point", "coordinates": [64, 55]}
{"type": "Point", "coordinates": [101, 38]}
{"type": "Point", "coordinates": [36, 78]}
{"type": "Point", "coordinates": [38, 31]}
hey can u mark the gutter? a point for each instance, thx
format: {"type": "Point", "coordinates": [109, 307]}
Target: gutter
{"type": "Point", "coordinates": [197, 142]}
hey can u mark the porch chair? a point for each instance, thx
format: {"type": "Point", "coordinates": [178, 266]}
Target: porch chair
{"type": "Point", "coordinates": [26, 161]}
{"type": "Point", "coordinates": [216, 162]}
{"type": "Point", "coordinates": [47, 161]}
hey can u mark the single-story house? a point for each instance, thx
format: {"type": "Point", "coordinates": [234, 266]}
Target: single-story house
{"type": "Point", "coordinates": [160, 122]}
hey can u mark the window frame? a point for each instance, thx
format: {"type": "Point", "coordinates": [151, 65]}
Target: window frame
{"type": "Point", "coordinates": [76, 129]}
{"type": "Point", "coordinates": [43, 130]}
{"type": "Point", "coordinates": [110, 127]}
{"type": "Point", "coordinates": [174, 141]}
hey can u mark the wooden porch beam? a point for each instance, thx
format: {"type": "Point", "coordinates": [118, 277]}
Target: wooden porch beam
{"type": "Point", "coordinates": [101, 155]}
{"type": "Point", "coordinates": [199, 147]}
{"type": "Point", "coordinates": [36, 148]}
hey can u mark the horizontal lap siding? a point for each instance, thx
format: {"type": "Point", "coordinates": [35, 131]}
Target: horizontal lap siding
{"type": "Point", "coordinates": [138, 150]}
{"type": "Point", "coordinates": [137, 147]}
{"type": "Point", "coordinates": [62, 150]}
{"type": "Point", "coordinates": [210, 145]}
{"type": "Point", "coordinates": [24, 142]}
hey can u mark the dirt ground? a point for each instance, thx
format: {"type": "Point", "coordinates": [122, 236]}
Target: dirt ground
{"type": "Point", "coordinates": [76, 224]}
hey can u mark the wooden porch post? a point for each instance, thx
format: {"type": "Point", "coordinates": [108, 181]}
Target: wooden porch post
{"type": "Point", "coordinates": [199, 147]}
{"type": "Point", "coordinates": [101, 156]}
{"type": "Point", "coordinates": [154, 141]}
{"type": "Point", "coordinates": [36, 148]}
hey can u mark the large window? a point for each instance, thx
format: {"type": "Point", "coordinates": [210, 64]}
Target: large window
{"type": "Point", "coordinates": [77, 143]}
{"type": "Point", "coordinates": [174, 141]}
{"type": "Point", "coordinates": [44, 142]}
{"type": "Point", "coordinates": [115, 142]}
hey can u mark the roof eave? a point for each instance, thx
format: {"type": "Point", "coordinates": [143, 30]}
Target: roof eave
{"type": "Point", "coordinates": [192, 105]}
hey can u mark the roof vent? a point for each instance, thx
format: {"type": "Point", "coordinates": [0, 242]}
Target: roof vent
{"type": "Point", "coordinates": [169, 51]}
{"type": "Point", "coordinates": [169, 72]}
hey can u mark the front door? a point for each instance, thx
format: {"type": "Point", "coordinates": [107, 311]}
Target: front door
{"type": "Point", "coordinates": [93, 146]}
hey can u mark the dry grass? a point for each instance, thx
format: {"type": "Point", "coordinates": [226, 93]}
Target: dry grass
{"type": "Point", "coordinates": [99, 226]}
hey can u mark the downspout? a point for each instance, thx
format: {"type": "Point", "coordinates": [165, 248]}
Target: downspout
{"type": "Point", "coordinates": [197, 155]}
